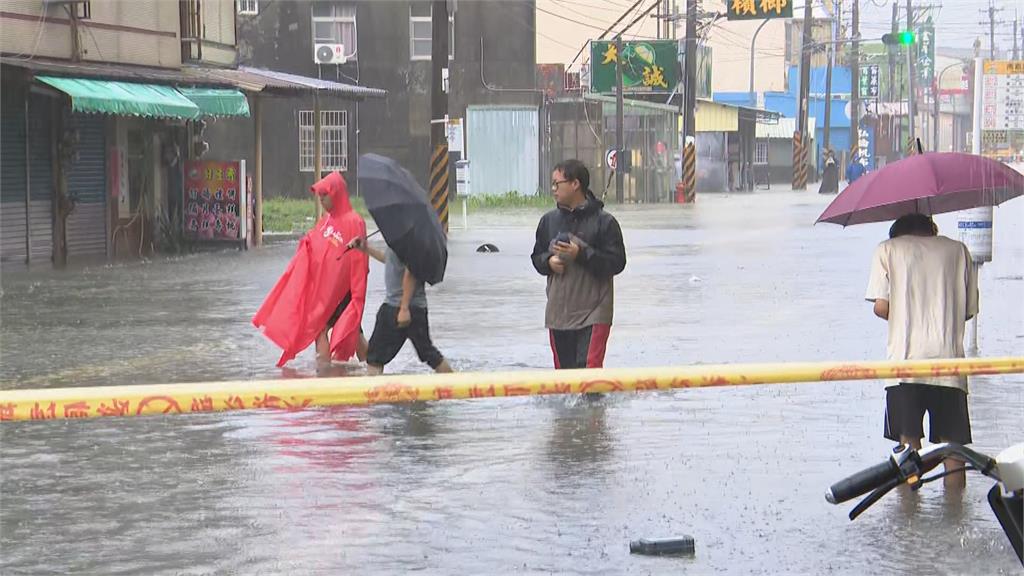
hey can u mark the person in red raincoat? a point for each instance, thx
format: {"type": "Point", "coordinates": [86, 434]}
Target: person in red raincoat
{"type": "Point", "coordinates": [321, 294]}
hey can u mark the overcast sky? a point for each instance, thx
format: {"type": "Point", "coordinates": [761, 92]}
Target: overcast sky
{"type": "Point", "coordinates": [958, 24]}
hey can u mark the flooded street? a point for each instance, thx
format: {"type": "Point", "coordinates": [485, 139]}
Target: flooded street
{"type": "Point", "coordinates": [519, 485]}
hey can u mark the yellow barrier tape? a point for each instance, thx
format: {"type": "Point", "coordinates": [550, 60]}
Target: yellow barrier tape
{"type": "Point", "coordinates": [105, 401]}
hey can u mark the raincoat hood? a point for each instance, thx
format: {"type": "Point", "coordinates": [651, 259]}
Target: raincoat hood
{"type": "Point", "coordinates": [333, 186]}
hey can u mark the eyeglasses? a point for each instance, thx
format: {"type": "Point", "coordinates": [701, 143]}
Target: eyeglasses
{"type": "Point", "coordinates": [555, 183]}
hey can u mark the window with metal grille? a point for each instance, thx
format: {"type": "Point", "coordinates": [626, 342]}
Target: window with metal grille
{"type": "Point", "coordinates": [335, 23]}
{"type": "Point", "coordinates": [420, 25]}
{"type": "Point", "coordinates": [82, 8]}
{"type": "Point", "coordinates": [249, 7]}
{"type": "Point", "coordinates": [761, 152]}
{"type": "Point", "coordinates": [333, 140]}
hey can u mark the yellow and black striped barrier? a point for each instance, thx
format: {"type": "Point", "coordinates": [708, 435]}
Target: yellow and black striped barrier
{"type": "Point", "coordinates": [913, 146]}
{"type": "Point", "coordinates": [293, 395]}
{"type": "Point", "coordinates": [439, 183]}
{"type": "Point", "coordinates": [799, 162]}
{"type": "Point", "coordinates": [690, 172]}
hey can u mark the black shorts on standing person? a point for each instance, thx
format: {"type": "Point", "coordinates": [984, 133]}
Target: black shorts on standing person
{"type": "Point", "coordinates": [388, 337]}
{"type": "Point", "coordinates": [389, 333]}
{"type": "Point", "coordinates": [925, 286]}
{"type": "Point", "coordinates": [948, 418]}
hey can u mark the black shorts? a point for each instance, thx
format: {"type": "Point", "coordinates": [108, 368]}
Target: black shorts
{"type": "Point", "coordinates": [948, 419]}
{"type": "Point", "coordinates": [387, 339]}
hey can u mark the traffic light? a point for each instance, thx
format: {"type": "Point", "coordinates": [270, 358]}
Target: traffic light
{"type": "Point", "coordinates": [904, 37]}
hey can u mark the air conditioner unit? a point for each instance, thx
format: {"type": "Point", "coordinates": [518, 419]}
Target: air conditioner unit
{"type": "Point", "coordinates": [329, 53]}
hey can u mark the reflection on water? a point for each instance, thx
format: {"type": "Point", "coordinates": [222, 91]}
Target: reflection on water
{"type": "Point", "coordinates": [580, 443]}
{"type": "Point", "coordinates": [533, 485]}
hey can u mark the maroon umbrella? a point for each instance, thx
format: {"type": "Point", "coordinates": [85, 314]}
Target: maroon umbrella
{"type": "Point", "coordinates": [931, 183]}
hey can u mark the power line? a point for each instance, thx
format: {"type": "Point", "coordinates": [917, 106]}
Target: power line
{"type": "Point", "coordinates": [556, 15]}
{"type": "Point", "coordinates": [40, 25]}
{"type": "Point", "coordinates": [606, 31]}
{"type": "Point", "coordinates": [640, 17]}
{"type": "Point", "coordinates": [617, 9]}
{"type": "Point", "coordinates": [630, 12]}
{"type": "Point", "coordinates": [575, 12]}
{"type": "Point", "coordinates": [533, 28]}
{"type": "Point", "coordinates": [991, 11]}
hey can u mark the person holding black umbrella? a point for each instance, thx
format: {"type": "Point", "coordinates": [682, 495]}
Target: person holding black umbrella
{"type": "Point", "coordinates": [402, 316]}
{"type": "Point", "coordinates": [417, 252]}
{"type": "Point", "coordinates": [579, 248]}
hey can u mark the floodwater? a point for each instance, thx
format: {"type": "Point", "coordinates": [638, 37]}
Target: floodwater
{"type": "Point", "coordinates": [519, 485]}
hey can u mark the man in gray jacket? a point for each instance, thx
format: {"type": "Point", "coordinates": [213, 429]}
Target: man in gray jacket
{"type": "Point", "coordinates": [579, 248]}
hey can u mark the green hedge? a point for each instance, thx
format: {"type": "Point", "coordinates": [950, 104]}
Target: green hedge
{"type": "Point", "coordinates": [288, 215]}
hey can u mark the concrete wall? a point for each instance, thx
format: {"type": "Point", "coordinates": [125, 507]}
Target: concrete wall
{"type": "Point", "coordinates": [280, 38]}
{"type": "Point", "coordinates": [779, 170]}
{"type": "Point", "coordinates": [143, 32]}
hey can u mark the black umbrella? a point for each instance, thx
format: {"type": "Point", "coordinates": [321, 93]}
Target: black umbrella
{"type": "Point", "coordinates": [404, 216]}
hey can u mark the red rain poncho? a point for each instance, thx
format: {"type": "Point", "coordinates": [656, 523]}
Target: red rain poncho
{"type": "Point", "coordinates": [319, 276]}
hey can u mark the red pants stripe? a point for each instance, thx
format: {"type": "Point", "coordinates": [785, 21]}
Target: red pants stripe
{"type": "Point", "coordinates": [583, 348]}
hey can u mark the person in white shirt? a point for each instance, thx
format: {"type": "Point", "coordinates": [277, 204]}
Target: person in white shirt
{"type": "Point", "coordinates": [926, 287]}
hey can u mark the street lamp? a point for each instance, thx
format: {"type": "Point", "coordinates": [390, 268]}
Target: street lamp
{"type": "Point", "coordinates": [753, 99]}
{"type": "Point", "coordinates": [938, 84]}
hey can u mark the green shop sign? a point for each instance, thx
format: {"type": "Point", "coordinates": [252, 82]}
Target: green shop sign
{"type": "Point", "coordinates": [647, 66]}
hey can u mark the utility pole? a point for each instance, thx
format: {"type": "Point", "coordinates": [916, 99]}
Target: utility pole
{"type": "Point", "coordinates": [935, 118]}
{"type": "Point", "coordinates": [911, 96]}
{"type": "Point", "coordinates": [620, 149]}
{"type": "Point", "coordinates": [830, 61]}
{"type": "Point", "coordinates": [1016, 21]}
{"type": "Point", "coordinates": [801, 139]}
{"type": "Point", "coordinates": [855, 81]}
{"type": "Point", "coordinates": [975, 224]}
{"type": "Point", "coordinates": [318, 158]}
{"type": "Point", "coordinates": [892, 52]}
{"type": "Point", "coordinates": [439, 110]}
{"type": "Point", "coordinates": [992, 11]}
{"type": "Point", "coordinates": [992, 30]}
{"type": "Point", "coordinates": [76, 39]}
{"type": "Point", "coordinates": [658, 15]}
{"type": "Point", "coordinates": [828, 96]}
{"type": "Point", "coordinates": [689, 103]}
{"type": "Point", "coordinates": [892, 76]}
{"type": "Point", "coordinates": [666, 10]}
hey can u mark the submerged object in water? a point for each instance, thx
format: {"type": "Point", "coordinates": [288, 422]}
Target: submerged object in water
{"type": "Point", "coordinates": [677, 546]}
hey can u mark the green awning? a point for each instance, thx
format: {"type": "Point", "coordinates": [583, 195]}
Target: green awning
{"type": "Point", "coordinates": [124, 98]}
{"type": "Point", "coordinates": [217, 101]}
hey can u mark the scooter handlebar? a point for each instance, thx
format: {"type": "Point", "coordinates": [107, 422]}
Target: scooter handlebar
{"type": "Point", "coordinates": [862, 482]}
